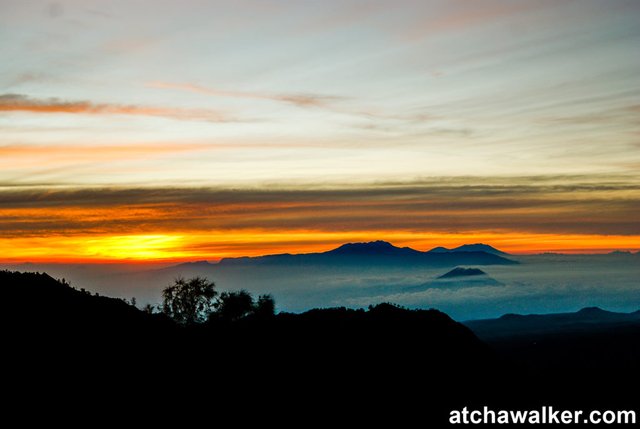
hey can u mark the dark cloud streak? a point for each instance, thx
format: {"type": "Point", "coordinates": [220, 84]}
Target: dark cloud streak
{"type": "Point", "coordinates": [577, 206]}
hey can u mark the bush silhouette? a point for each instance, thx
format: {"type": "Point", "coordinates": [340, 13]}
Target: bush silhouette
{"type": "Point", "coordinates": [232, 306]}
{"type": "Point", "coordinates": [189, 301]}
{"type": "Point", "coordinates": [264, 307]}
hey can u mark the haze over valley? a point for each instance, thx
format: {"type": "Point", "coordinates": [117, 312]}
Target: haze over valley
{"type": "Point", "coordinates": [371, 273]}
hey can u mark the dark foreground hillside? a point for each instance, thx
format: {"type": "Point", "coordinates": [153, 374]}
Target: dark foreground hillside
{"type": "Point", "coordinates": [42, 310]}
{"type": "Point", "coordinates": [591, 339]}
{"type": "Point", "coordinates": [384, 365]}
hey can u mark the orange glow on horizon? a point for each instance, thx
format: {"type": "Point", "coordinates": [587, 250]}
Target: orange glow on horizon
{"type": "Point", "coordinates": [189, 246]}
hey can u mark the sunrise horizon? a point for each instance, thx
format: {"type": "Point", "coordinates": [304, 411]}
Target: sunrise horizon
{"type": "Point", "coordinates": [120, 254]}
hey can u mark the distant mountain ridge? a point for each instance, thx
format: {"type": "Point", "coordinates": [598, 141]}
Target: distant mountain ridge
{"type": "Point", "coordinates": [372, 248]}
{"type": "Point", "coordinates": [510, 325]}
{"type": "Point", "coordinates": [195, 264]}
{"type": "Point", "coordinates": [381, 253]}
{"type": "Point", "coordinates": [477, 247]}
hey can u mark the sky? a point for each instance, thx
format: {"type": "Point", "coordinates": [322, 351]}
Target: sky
{"type": "Point", "coordinates": [181, 130]}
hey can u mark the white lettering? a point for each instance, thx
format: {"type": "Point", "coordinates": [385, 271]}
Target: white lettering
{"type": "Point", "coordinates": [454, 417]}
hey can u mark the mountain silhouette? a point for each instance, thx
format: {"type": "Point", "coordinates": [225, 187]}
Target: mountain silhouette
{"type": "Point", "coordinates": [457, 278]}
{"type": "Point", "coordinates": [462, 272]}
{"type": "Point", "coordinates": [195, 264]}
{"type": "Point", "coordinates": [372, 248]}
{"type": "Point", "coordinates": [376, 253]}
{"type": "Point", "coordinates": [478, 247]}
{"type": "Point", "coordinates": [517, 324]}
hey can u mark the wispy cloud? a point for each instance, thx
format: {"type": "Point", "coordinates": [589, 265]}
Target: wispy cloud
{"type": "Point", "coordinates": [24, 103]}
{"type": "Point", "coordinates": [300, 100]}
{"type": "Point", "coordinates": [57, 155]}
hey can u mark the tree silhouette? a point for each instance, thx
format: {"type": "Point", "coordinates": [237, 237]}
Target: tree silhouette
{"type": "Point", "coordinates": [232, 306]}
{"type": "Point", "coordinates": [265, 307]}
{"type": "Point", "coordinates": [189, 301]}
